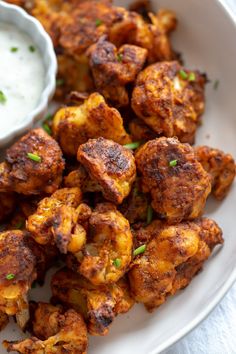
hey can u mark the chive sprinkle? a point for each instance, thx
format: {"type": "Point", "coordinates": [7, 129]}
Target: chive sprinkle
{"type": "Point", "coordinates": [49, 116]}
{"type": "Point", "coordinates": [34, 284]}
{"type": "Point", "coordinates": [119, 57]}
{"type": "Point", "coordinates": [117, 262]}
{"type": "Point", "coordinates": [98, 22]}
{"type": "Point", "coordinates": [60, 82]}
{"type": "Point", "coordinates": [34, 157]}
{"type": "Point", "coordinates": [192, 77]}
{"type": "Point", "coordinates": [47, 128]}
{"type": "Point", "coordinates": [173, 163]}
{"type": "Point", "coordinates": [3, 98]}
{"type": "Point", "coordinates": [149, 214]}
{"type": "Point", "coordinates": [133, 146]}
{"type": "Point", "coordinates": [216, 84]}
{"type": "Point", "coordinates": [183, 74]}
{"type": "Point", "coordinates": [32, 48]}
{"type": "Point", "coordinates": [10, 276]}
{"type": "Point", "coordinates": [139, 250]}
{"type": "Point", "coordinates": [14, 49]}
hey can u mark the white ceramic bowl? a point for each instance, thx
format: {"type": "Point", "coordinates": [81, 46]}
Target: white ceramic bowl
{"type": "Point", "coordinates": [19, 18]}
{"type": "Point", "coordinates": [206, 37]}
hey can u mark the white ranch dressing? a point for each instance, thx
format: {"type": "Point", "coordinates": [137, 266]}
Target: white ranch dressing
{"type": "Point", "coordinates": [21, 76]}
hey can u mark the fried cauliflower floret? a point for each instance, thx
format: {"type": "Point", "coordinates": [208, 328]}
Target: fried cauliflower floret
{"type": "Point", "coordinates": [17, 272]}
{"type": "Point", "coordinates": [73, 126]}
{"type": "Point", "coordinates": [107, 253]}
{"type": "Point", "coordinates": [56, 221]}
{"type": "Point", "coordinates": [177, 182]}
{"type": "Point", "coordinates": [98, 304]}
{"type": "Point", "coordinates": [113, 69]}
{"type": "Point", "coordinates": [221, 167]}
{"type": "Point", "coordinates": [7, 205]}
{"type": "Point", "coordinates": [154, 36]}
{"type": "Point", "coordinates": [80, 178]}
{"type": "Point", "coordinates": [33, 165]}
{"type": "Point", "coordinates": [55, 331]}
{"type": "Point", "coordinates": [170, 99]}
{"type": "Point", "coordinates": [171, 259]}
{"type": "Point", "coordinates": [111, 165]}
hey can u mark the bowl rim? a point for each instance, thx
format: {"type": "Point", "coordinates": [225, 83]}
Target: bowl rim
{"type": "Point", "coordinates": [50, 76]}
{"type": "Point", "coordinates": [180, 334]}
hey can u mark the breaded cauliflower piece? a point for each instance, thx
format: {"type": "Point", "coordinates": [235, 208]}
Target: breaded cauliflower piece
{"type": "Point", "coordinates": [33, 165]}
{"type": "Point", "coordinates": [7, 205]}
{"type": "Point", "coordinates": [154, 36]}
{"type": "Point", "coordinates": [73, 126]}
{"type": "Point", "coordinates": [17, 273]}
{"type": "Point", "coordinates": [171, 259]}
{"type": "Point", "coordinates": [113, 69]}
{"type": "Point", "coordinates": [170, 99]}
{"type": "Point", "coordinates": [221, 167]}
{"type": "Point", "coordinates": [111, 165]}
{"type": "Point", "coordinates": [98, 304]}
{"type": "Point", "coordinates": [107, 253]}
{"type": "Point", "coordinates": [56, 221]}
{"type": "Point", "coordinates": [177, 182]}
{"type": "Point", "coordinates": [80, 178]}
{"type": "Point", "coordinates": [55, 331]}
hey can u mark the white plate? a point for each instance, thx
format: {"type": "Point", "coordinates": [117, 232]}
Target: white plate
{"type": "Point", "coordinates": [206, 37]}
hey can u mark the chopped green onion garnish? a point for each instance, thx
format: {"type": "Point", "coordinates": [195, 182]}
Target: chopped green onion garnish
{"type": "Point", "coordinates": [149, 214]}
{"type": "Point", "coordinates": [34, 157]}
{"type": "Point", "coordinates": [135, 191]}
{"type": "Point", "coordinates": [14, 49]}
{"type": "Point", "coordinates": [173, 163]}
{"type": "Point", "coordinates": [49, 116]}
{"type": "Point", "coordinates": [98, 22]}
{"type": "Point", "coordinates": [10, 276]}
{"type": "Point", "coordinates": [60, 82]}
{"type": "Point", "coordinates": [47, 128]}
{"type": "Point", "coordinates": [216, 84]}
{"type": "Point", "coordinates": [133, 146]}
{"type": "Point", "coordinates": [34, 284]}
{"type": "Point", "coordinates": [139, 250]}
{"type": "Point", "coordinates": [183, 74]}
{"type": "Point", "coordinates": [19, 225]}
{"type": "Point", "coordinates": [119, 57]}
{"type": "Point", "coordinates": [32, 48]}
{"type": "Point", "coordinates": [3, 98]}
{"type": "Point", "coordinates": [192, 77]}
{"type": "Point", "coordinates": [117, 262]}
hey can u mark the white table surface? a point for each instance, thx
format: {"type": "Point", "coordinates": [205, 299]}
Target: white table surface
{"type": "Point", "coordinates": [217, 334]}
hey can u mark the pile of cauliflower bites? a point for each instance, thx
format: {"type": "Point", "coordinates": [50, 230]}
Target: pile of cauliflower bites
{"type": "Point", "coordinates": [111, 186]}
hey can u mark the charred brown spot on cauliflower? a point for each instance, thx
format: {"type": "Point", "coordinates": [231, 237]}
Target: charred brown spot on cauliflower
{"type": "Point", "coordinates": [177, 182]}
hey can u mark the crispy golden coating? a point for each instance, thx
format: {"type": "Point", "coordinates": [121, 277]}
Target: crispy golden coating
{"type": "Point", "coordinates": [154, 36]}
{"type": "Point", "coordinates": [167, 103]}
{"type": "Point", "coordinates": [73, 126]}
{"type": "Point", "coordinates": [21, 174]}
{"type": "Point", "coordinates": [113, 69]}
{"type": "Point", "coordinates": [55, 331]}
{"type": "Point", "coordinates": [7, 205]}
{"type": "Point", "coordinates": [98, 304]}
{"type": "Point", "coordinates": [80, 178]}
{"type": "Point", "coordinates": [56, 221]}
{"type": "Point", "coordinates": [17, 272]}
{"type": "Point", "coordinates": [171, 259]}
{"type": "Point", "coordinates": [111, 165]}
{"type": "Point", "coordinates": [139, 131]}
{"type": "Point", "coordinates": [221, 167]}
{"type": "Point", "coordinates": [177, 182]}
{"type": "Point", "coordinates": [109, 240]}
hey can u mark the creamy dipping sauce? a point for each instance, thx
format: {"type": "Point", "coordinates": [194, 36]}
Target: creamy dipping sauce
{"type": "Point", "coordinates": [21, 76]}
